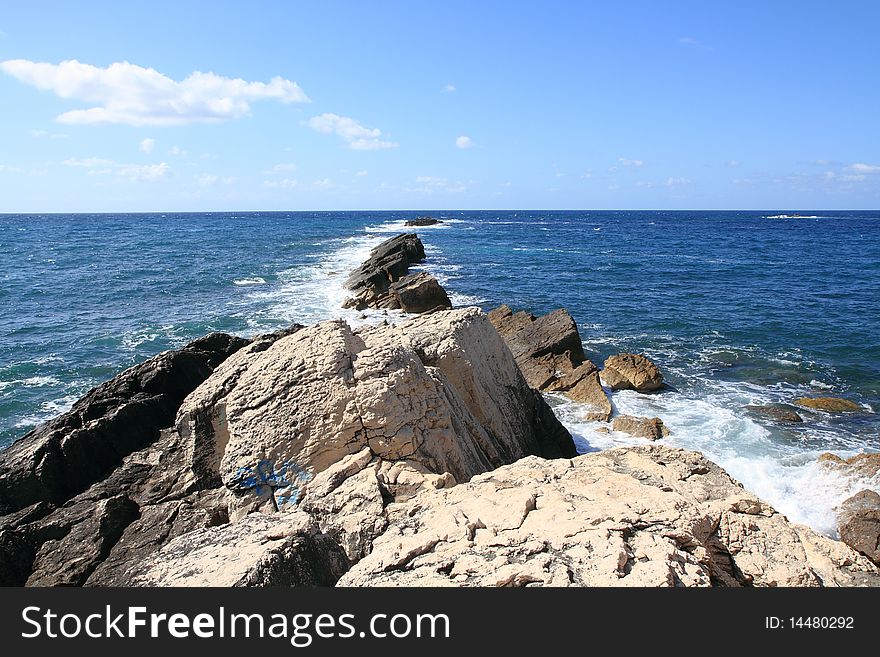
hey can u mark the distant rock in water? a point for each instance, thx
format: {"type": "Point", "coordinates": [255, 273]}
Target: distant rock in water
{"type": "Point", "coordinates": [632, 372]}
{"type": "Point", "coordinates": [634, 516]}
{"type": "Point", "coordinates": [776, 412]}
{"type": "Point", "coordinates": [829, 404]}
{"type": "Point", "coordinates": [373, 282]}
{"type": "Point", "coordinates": [66, 455]}
{"type": "Point", "coordinates": [549, 352]}
{"type": "Point", "coordinates": [640, 427]}
{"type": "Point", "coordinates": [423, 221]}
{"type": "Point", "coordinates": [858, 521]}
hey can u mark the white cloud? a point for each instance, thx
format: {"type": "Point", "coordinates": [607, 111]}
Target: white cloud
{"type": "Point", "coordinates": [147, 145]}
{"type": "Point", "coordinates": [133, 172]}
{"type": "Point", "coordinates": [5, 168]}
{"type": "Point", "coordinates": [859, 167]}
{"type": "Point", "coordinates": [43, 134]}
{"type": "Point", "coordinates": [431, 184]}
{"type": "Point", "coordinates": [677, 181]}
{"type": "Point", "coordinates": [362, 173]}
{"type": "Point", "coordinates": [285, 183]}
{"type": "Point", "coordinates": [630, 163]}
{"type": "Point", "coordinates": [324, 183]}
{"type": "Point", "coordinates": [133, 95]}
{"type": "Point", "coordinates": [177, 151]}
{"type": "Point", "coordinates": [282, 167]}
{"type": "Point", "coordinates": [463, 142]}
{"type": "Point", "coordinates": [449, 88]}
{"type": "Point", "coordinates": [209, 180]}
{"type": "Point", "coordinates": [732, 163]}
{"type": "Point", "coordinates": [357, 136]}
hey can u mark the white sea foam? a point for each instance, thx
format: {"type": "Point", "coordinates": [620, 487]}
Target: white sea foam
{"type": "Point", "coordinates": [256, 280]}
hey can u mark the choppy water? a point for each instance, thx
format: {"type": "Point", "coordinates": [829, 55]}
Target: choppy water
{"type": "Point", "coordinates": [737, 309]}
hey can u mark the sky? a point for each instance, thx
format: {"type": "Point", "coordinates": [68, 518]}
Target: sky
{"type": "Point", "coordinates": [199, 106]}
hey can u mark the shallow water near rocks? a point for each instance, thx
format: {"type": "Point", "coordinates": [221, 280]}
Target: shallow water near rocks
{"type": "Point", "coordinates": [737, 308]}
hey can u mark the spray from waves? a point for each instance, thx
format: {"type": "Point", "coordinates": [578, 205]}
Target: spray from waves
{"type": "Point", "coordinates": [256, 280]}
{"type": "Point", "coordinates": [784, 473]}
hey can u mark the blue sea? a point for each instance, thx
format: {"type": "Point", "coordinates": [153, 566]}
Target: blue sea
{"type": "Point", "coordinates": [736, 307]}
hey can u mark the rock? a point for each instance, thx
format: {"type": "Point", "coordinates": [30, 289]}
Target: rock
{"type": "Point", "coordinates": [631, 372]}
{"type": "Point", "coordinates": [588, 390]}
{"type": "Point", "coordinates": [387, 263]}
{"type": "Point", "coordinates": [69, 453]}
{"type": "Point", "coordinates": [829, 404]}
{"type": "Point", "coordinates": [420, 293]}
{"type": "Point", "coordinates": [440, 390]}
{"type": "Point", "coordinates": [640, 427]}
{"type": "Point", "coordinates": [860, 465]}
{"type": "Point", "coordinates": [776, 412]}
{"type": "Point", "coordinates": [285, 549]}
{"type": "Point", "coordinates": [423, 221]}
{"type": "Point", "coordinates": [858, 521]}
{"type": "Point", "coordinates": [642, 516]}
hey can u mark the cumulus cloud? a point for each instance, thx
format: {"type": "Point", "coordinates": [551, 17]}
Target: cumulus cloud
{"type": "Point", "coordinates": [128, 94]}
{"type": "Point", "coordinates": [147, 145]}
{"type": "Point", "coordinates": [463, 142]}
{"type": "Point", "coordinates": [132, 172]}
{"type": "Point", "coordinates": [355, 135]}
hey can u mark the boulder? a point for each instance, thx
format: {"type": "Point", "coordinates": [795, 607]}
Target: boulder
{"type": "Point", "coordinates": [639, 516]}
{"type": "Point", "coordinates": [587, 389]}
{"type": "Point", "coordinates": [829, 404]}
{"type": "Point", "coordinates": [387, 263]}
{"type": "Point", "coordinates": [420, 293]}
{"type": "Point", "coordinates": [423, 221]}
{"type": "Point", "coordinates": [861, 465]}
{"type": "Point", "coordinates": [775, 412]}
{"type": "Point", "coordinates": [66, 455]}
{"type": "Point", "coordinates": [631, 372]}
{"type": "Point", "coordinates": [440, 390]}
{"type": "Point", "coordinates": [640, 427]}
{"type": "Point", "coordinates": [858, 521]}
{"type": "Point", "coordinates": [282, 550]}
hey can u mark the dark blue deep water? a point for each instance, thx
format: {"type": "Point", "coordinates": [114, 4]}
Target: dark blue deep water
{"type": "Point", "coordinates": [736, 307]}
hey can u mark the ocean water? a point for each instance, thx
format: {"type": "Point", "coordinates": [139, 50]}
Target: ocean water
{"type": "Point", "coordinates": [736, 307]}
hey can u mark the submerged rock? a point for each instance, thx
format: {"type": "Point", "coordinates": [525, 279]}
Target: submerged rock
{"type": "Point", "coordinates": [829, 404]}
{"type": "Point", "coordinates": [420, 293]}
{"type": "Point", "coordinates": [639, 516]}
{"type": "Point", "coordinates": [549, 352]}
{"type": "Point", "coordinates": [776, 412]}
{"type": "Point", "coordinates": [632, 372]}
{"type": "Point", "coordinates": [640, 427]}
{"type": "Point", "coordinates": [858, 521]}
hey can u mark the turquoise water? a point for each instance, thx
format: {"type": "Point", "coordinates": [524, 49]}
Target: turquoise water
{"type": "Point", "coordinates": [737, 308]}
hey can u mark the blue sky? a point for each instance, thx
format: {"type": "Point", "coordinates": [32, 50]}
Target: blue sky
{"type": "Point", "coordinates": [111, 106]}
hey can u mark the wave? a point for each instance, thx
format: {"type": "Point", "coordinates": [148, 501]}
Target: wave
{"type": "Point", "coordinates": [256, 280]}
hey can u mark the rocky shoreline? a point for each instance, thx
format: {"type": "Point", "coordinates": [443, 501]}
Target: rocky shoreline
{"type": "Point", "coordinates": [419, 453]}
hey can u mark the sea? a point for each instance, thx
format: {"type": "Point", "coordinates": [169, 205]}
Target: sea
{"type": "Point", "coordinates": [737, 308]}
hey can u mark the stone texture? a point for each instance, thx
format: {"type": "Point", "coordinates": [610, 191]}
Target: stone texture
{"type": "Point", "coordinates": [420, 293]}
{"type": "Point", "coordinates": [644, 516]}
{"type": "Point", "coordinates": [775, 412]}
{"type": "Point", "coordinates": [861, 465]}
{"type": "Point", "coordinates": [829, 404]}
{"type": "Point", "coordinates": [632, 372]}
{"type": "Point", "coordinates": [283, 550]}
{"type": "Point", "coordinates": [641, 427]}
{"type": "Point", "coordinates": [439, 390]}
{"type": "Point", "coordinates": [387, 263]}
{"type": "Point", "coordinates": [858, 521]}
{"type": "Point", "coordinates": [64, 456]}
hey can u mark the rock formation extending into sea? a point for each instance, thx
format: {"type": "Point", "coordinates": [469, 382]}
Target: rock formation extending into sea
{"type": "Point", "coordinates": [417, 453]}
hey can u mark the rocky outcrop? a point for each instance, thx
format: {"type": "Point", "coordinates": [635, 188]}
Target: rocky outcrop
{"type": "Point", "coordinates": [642, 516]}
{"type": "Point", "coordinates": [440, 390]}
{"type": "Point", "coordinates": [423, 221]}
{"type": "Point", "coordinates": [858, 521]}
{"type": "Point", "coordinates": [860, 465]}
{"type": "Point", "coordinates": [549, 352]}
{"type": "Point", "coordinates": [387, 263]}
{"type": "Point", "coordinates": [420, 293]}
{"type": "Point", "coordinates": [641, 427]}
{"type": "Point", "coordinates": [829, 404]}
{"type": "Point", "coordinates": [66, 455]}
{"type": "Point", "coordinates": [775, 412]}
{"type": "Point", "coordinates": [632, 372]}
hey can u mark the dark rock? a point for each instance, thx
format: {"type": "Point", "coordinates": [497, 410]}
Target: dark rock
{"type": "Point", "coordinates": [858, 521]}
{"type": "Point", "coordinates": [67, 454]}
{"type": "Point", "coordinates": [420, 293]}
{"type": "Point", "coordinates": [632, 372]}
{"type": "Point", "coordinates": [423, 221]}
{"type": "Point", "coordinates": [776, 412]}
{"type": "Point", "coordinates": [386, 264]}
